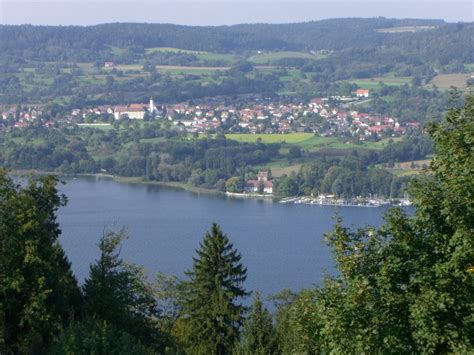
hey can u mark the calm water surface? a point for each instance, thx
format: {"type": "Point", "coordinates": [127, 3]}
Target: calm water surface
{"type": "Point", "coordinates": [281, 245]}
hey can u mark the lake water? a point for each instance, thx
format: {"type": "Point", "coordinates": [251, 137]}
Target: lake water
{"type": "Point", "coordinates": [281, 245]}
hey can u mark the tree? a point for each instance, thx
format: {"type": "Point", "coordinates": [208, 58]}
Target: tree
{"type": "Point", "coordinates": [235, 184]}
{"type": "Point", "coordinates": [294, 152]}
{"type": "Point", "coordinates": [109, 82]}
{"type": "Point", "coordinates": [407, 287]}
{"type": "Point", "coordinates": [38, 292]}
{"type": "Point", "coordinates": [118, 293]}
{"type": "Point", "coordinates": [211, 316]}
{"type": "Point", "coordinates": [258, 334]}
{"type": "Point", "coordinates": [92, 336]}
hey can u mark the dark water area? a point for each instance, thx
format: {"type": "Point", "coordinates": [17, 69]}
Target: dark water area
{"type": "Point", "coordinates": [281, 245]}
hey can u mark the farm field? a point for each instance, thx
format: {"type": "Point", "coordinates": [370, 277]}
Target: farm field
{"type": "Point", "coordinates": [445, 81]}
{"type": "Point", "coordinates": [154, 140]}
{"type": "Point", "coordinates": [290, 138]}
{"type": "Point", "coordinates": [273, 57]}
{"type": "Point", "coordinates": [201, 55]}
{"type": "Point", "coordinates": [103, 126]}
{"type": "Point", "coordinates": [317, 143]}
{"type": "Point", "coordinates": [307, 141]}
{"type": "Point", "coordinates": [408, 168]}
{"type": "Point", "coordinates": [280, 168]}
{"type": "Point", "coordinates": [374, 83]}
{"type": "Point", "coordinates": [176, 69]}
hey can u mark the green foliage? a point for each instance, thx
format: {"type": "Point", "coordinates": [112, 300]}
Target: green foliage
{"type": "Point", "coordinates": [258, 335]}
{"type": "Point", "coordinates": [407, 287]}
{"type": "Point", "coordinates": [211, 315]}
{"type": "Point", "coordinates": [118, 293]}
{"type": "Point", "coordinates": [38, 293]}
{"type": "Point", "coordinates": [294, 152]}
{"type": "Point", "coordinates": [235, 184]}
{"type": "Point", "coordinates": [345, 177]}
{"type": "Point", "coordinates": [67, 62]}
{"type": "Point", "coordinates": [96, 337]}
{"type": "Point", "coordinates": [297, 324]}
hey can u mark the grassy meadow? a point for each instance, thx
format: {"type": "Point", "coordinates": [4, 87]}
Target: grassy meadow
{"type": "Point", "coordinates": [274, 57]}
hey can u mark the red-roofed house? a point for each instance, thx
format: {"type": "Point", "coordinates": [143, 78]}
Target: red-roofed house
{"type": "Point", "coordinates": [362, 93]}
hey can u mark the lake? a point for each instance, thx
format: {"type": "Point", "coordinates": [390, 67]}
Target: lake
{"type": "Point", "coordinates": [281, 244]}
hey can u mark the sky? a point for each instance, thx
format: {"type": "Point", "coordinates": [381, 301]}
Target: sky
{"type": "Point", "coordinates": [223, 12]}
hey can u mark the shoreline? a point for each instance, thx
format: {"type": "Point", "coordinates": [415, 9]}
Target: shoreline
{"type": "Point", "coordinates": [171, 184]}
{"type": "Point", "coordinates": [123, 180]}
{"type": "Point", "coordinates": [296, 200]}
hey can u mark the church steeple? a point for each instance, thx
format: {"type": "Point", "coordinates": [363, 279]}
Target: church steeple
{"type": "Point", "coordinates": [152, 105]}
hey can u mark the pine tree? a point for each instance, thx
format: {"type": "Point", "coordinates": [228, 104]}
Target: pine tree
{"type": "Point", "coordinates": [258, 335]}
{"type": "Point", "coordinates": [211, 316]}
{"type": "Point", "coordinates": [118, 293]}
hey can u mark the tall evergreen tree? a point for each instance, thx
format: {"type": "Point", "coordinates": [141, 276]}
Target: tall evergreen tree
{"type": "Point", "coordinates": [38, 292]}
{"type": "Point", "coordinates": [211, 315]}
{"type": "Point", "coordinates": [258, 335]}
{"type": "Point", "coordinates": [118, 293]}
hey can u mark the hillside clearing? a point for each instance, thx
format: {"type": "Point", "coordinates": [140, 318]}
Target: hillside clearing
{"type": "Point", "coordinates": [446, 81]}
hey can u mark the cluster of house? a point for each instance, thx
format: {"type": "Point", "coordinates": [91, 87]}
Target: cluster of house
{"type": "Point", "coordinates": [325, 116]}
{"type": "Point", "coordinates": [21, 117]}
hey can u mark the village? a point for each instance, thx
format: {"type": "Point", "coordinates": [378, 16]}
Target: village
{"type": "Point", "coordinates": [333, 116]}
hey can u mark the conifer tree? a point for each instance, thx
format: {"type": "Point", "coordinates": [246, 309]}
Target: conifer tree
{"type": "Point", "coordinates": [118, 293]}
{"type": "Point", "coordinates": [258, 334]}
{"type": "Point", "coordinates": [211, 315]}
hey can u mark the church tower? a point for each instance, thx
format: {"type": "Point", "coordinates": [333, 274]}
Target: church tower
{"type": "Point", "coordinates": [152, 106]}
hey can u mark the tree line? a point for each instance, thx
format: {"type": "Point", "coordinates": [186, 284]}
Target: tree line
{"type": "Point", "coordinates": [211, 162]}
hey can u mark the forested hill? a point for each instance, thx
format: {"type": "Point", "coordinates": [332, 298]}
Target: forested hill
{"type": "Point", "coordinates": [445, 41]}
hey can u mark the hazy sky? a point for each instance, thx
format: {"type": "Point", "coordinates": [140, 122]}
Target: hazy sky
{"type": "Point", "coordinates": [218, 12]}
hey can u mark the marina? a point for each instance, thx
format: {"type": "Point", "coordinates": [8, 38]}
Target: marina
{"type": "Point", "coordinates": [331, 200]}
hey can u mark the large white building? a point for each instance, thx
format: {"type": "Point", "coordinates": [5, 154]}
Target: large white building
{"type": "Point", "coordinates": [134, 111]}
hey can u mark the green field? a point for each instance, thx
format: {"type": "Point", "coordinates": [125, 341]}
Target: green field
{"type": "Point", "coordinates": [317, 143]}
{"type": "Point", "coordinates": [117, 50]}
{"type": "Point", "coordinates": [23, 140]}
{"type": "Point", "coordinates": [407, 168]}
{"type": "Point", "coordinates": [170, 49]}
{"type": "Point", "coordinates": [273, 57]}
{"type": "Point", "coordinates": [172, 69]}
{"type": "Point", "coordinates": [307, 141]}
{"type": "Point", "coordinates": [280, 168]}
{"type": "Point", "coordinates": [201, 55]}
{"type": "Point", "coordinates": [375, 83]}
{"type": "Point", "coordinates": [290, 138]}
{"type": "Point", "coordinates": [102, 126]}
{"type": "Point", "coordinates": [154, 140]}
{"type": "Point", "coordinates": [469, 67]}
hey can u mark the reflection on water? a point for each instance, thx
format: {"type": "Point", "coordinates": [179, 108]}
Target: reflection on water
{"type": "Point", "coordinates": [281, 245]}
